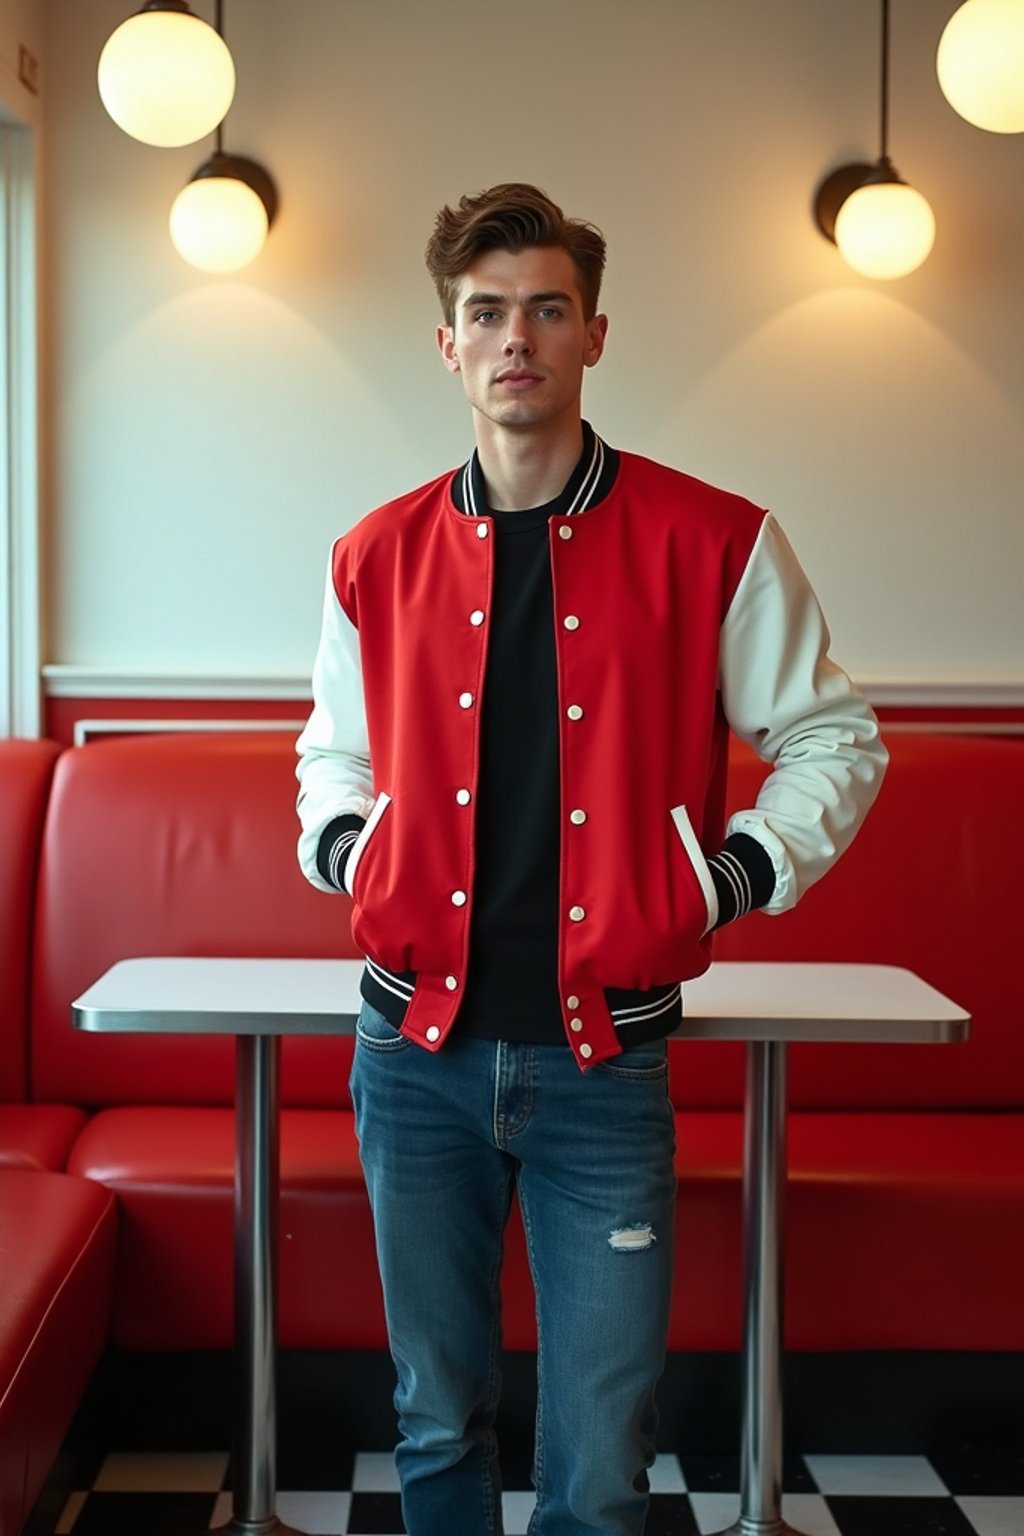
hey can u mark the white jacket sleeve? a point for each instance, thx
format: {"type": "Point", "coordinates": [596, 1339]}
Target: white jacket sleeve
{"type": "Point", "coordinates": [334, 756]}
{"type": "Point", "coordinates": [784, 695]}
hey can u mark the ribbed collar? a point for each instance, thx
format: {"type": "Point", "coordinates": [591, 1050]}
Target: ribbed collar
{"type": "Point", "coordinates": [588, 484]}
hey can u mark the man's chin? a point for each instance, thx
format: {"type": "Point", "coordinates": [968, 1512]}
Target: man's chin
{"type": "Point", "coordinates": [520, 413]}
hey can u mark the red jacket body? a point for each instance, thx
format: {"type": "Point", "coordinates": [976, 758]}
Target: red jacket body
{"type": "Point", "coordinates": [678, 610]}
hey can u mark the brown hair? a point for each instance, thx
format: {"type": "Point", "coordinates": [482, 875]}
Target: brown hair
{"type": "Point", "coordinates": [510, 217]}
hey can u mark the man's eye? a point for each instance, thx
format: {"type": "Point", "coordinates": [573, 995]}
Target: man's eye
{"type": "Point", "coordinates": [486, 315]}
{"type": "Point", "coordinates": [549, 312]}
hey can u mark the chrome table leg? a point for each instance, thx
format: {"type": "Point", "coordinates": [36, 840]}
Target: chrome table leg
{"type": "Point", "coordinates": [257, 1160]}
{"type": "Point", "coordinates": [764, 1182]}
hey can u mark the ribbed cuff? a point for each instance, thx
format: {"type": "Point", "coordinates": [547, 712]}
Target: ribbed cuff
{"type": "Point", "coordinates": [334, 847]}
{"type": "Point", "coordinates": [744, 877]}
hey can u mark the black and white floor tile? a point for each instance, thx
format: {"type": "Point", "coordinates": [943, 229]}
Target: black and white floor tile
{"type": "Point", "coordinates": [148, 1494]}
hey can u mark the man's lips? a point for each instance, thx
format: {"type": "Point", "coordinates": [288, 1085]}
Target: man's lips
{"type": "Point", "coordinates": [519, 378]}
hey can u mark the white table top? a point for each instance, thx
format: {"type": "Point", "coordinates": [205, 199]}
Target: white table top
{"type": "Point", "coordinates": [734, 1000]}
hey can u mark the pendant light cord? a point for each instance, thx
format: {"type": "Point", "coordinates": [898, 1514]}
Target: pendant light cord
{"type": "Point", "coordinates": [885, 79]}
{"type": "Point", "coordinates": [218, 22]}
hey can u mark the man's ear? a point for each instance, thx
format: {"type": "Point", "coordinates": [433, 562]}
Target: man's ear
{"type": "Point", "coordinates": [446, 346]}
{"type": "Point", "coordinates": [597, 330]}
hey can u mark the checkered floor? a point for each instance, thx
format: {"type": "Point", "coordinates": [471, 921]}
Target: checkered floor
{"type": "Point", "coordinates": [147, 1494]}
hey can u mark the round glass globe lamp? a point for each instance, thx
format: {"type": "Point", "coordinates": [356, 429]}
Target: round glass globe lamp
{"type": "Point", "coordinates": [165, 76]}
{"type": "Point", "coordinates": [980, 64]}
{"type": "Point", "coordinates": [218, 223]}
{"type": "Point", "coordinates": [885, 229]}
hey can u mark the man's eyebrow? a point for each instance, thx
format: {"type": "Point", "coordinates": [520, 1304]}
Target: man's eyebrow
{"type": "Point", "coordinates": [548, 297]}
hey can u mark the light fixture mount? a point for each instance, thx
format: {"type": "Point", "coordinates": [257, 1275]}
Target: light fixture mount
{"type": "Point", "coordinates": [834, 191]}
{"type": "Point", "coordinates": [844, 182]}
{"type": "Point", "coordinates": [239, 168]}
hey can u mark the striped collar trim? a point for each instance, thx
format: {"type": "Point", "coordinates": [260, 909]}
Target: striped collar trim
{"type": "Point", "coordinates": [589, 482]}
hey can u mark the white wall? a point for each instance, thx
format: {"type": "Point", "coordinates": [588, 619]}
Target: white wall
{"type": "Point", "coordinates": [210, 436]}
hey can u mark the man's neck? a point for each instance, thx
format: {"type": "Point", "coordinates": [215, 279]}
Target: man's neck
{"type": "Point", "coordinates": [527, 468]}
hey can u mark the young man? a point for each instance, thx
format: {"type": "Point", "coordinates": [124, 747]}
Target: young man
{"type": "Point", "coordinates": [515, 765]}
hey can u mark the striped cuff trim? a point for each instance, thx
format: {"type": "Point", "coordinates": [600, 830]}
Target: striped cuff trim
{"type": "Point", "coordinates": [744, 877]}
{"type": "Point", "coordinates": [334, 847]}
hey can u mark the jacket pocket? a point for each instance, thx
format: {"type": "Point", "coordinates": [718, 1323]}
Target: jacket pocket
{"type": "Point", "coordinates": [361, 843]}
{"type": "Point", "coordinates": [698, 863]}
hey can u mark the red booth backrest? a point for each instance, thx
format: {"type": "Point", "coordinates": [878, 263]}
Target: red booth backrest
{"type": "Point", "coordinates": [25, 771]}
{"type": "Point", "coordinates": [173, 845]}
{"type": "Point", "coordinates": [932, 882]}
{"type": "Point", "coordinates": [186, 845]}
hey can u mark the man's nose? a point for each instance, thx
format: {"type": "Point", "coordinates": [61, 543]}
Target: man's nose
{"type": "Point", "coordinates": [517, 339]}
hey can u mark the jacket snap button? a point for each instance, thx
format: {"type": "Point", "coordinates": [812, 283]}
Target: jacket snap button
{"type": "Point", "coordinates": [576, 1025]}
{"type": "Point", "coordinates": [458, 898]}
{"type": "Point", "coordinates": [575, 712]}
{"type": "Point", "coordinates": [465, 701]}
{"type": "Point", "coordinates": [577, 818]}
{"type": "Point", "coordinates": [572, 1003]}
{"type": "Point", "coordinates": [482, 531]}
{"type": "Point", "coordinates": [576, 913]}
{"type": "Point", "coordinates": [463, 796]}
{"type": "Point", "coordinates": [565, 532]}
{"type": "Point", "coordinates": [477, 616]}
{"type": "Point", "coordinates": [433, 1033]}
{"type": "Point", "coordinates": [452, 983]}
{"type": "Point", "coordinates": [586, 1051]}
{"type": "Point", "coordinates": [571, 621]}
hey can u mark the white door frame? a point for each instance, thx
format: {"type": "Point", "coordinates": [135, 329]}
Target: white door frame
{"type": "Point", "coordinates": [20, 649]}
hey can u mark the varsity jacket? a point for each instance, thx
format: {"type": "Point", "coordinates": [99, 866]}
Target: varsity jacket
{"type": "Point", "coordinates": [679, 611]}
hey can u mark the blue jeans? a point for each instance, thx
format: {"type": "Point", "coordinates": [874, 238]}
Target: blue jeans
{"type": "Point", "coordinates": [445, 1139]}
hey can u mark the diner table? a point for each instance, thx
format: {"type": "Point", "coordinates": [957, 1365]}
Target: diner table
{"type": "Point", "coordinates": [259, 1000]}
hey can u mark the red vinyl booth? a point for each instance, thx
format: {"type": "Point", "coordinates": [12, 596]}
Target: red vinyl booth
{"type": "Point", "coordinates": [185, 844]}
{"type": "Point", "coordinates": [57, 1234]}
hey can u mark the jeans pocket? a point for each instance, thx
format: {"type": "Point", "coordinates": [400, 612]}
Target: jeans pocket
{"type": "Point", "coordinates": [375, 1032]}
{"type": "Point", "coordinates": [641, 1064]}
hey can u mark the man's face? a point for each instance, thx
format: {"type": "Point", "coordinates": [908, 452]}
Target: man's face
{"type": "Point", "coordinates": [519, 340]}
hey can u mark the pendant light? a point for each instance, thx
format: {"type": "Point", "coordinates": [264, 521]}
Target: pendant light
{"type": "Point", "coordinates": [166, 76]}
{"type": "Point", "coordinates": [980, 64]}
{"type": "Point", "coordinates": [220, 219]}
{"type": "Point", "coordinates": [882, 226]}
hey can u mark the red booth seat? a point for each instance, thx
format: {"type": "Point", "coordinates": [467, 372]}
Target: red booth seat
{"type": "Point", "coordinates": [172, 1170]}
{"type": "Point", "coordinates": [873, 1200]}
{"type": "Point", "coordinates": [38, 1135]}
{"type": "Point", "coordinates": [57, 1250]}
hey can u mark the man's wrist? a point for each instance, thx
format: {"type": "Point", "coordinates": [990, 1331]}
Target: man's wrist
{"type": "Point", "coordinates": [744, 877]}
{"type": "Point", "coordinates": [334, 847]}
